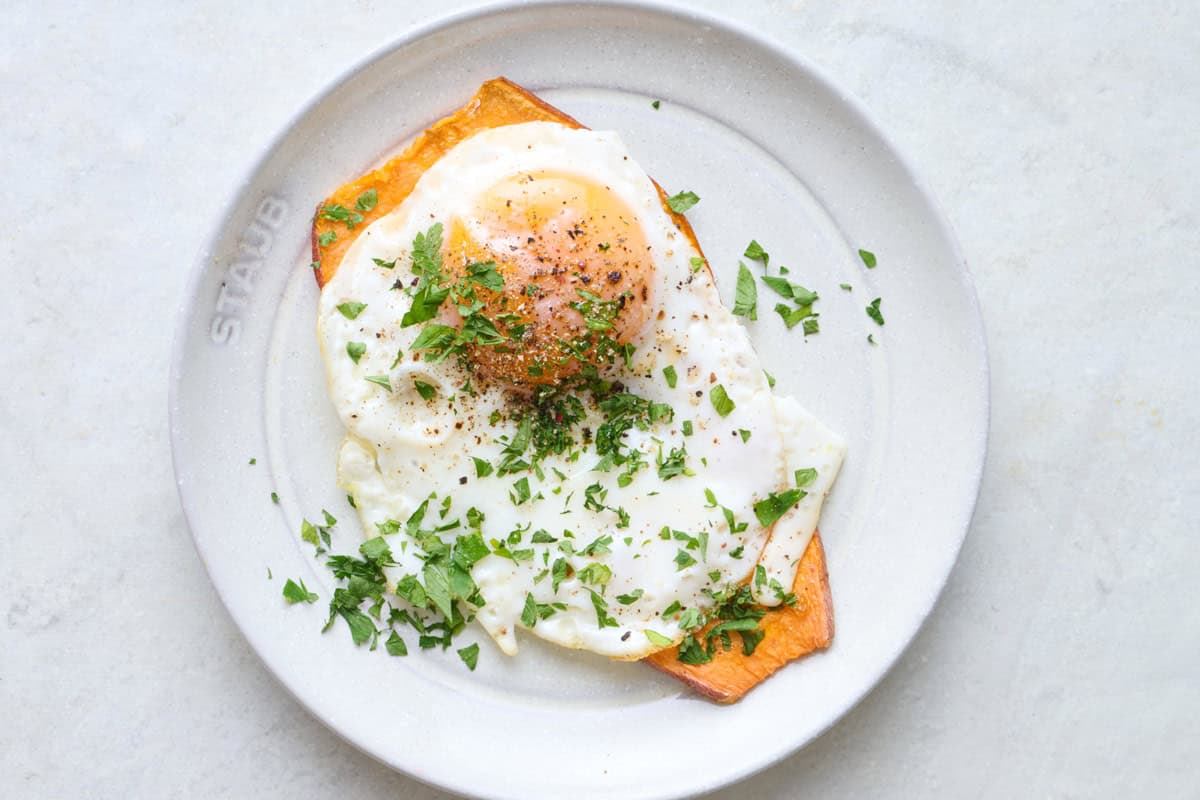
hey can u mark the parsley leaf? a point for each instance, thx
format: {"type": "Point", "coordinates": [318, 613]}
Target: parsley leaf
{"type": "Point", "coordinates": [482, 468]}
{"type": "Point", "coordinates": [868, 258]}
{"type": "Point", "coordinates": [721, 401]}
{"type": "Point", "coordinates": [486, 275]}
{"type": "Point", "coordinates": [436, 337]}
{"type": "Point", "coordinates": [680, 203]}
{"type": "Point", "coordinates": [781, 286]}
{"type": "Point", "coordinates": [529, 615]}
{"type": "Point", "coordinates": [656, 104]}
{"type": "Point", "coordinates": [805, 476]}
{"type": "Point", "coordinates": [379, 262]}
{"type": "Point", "coordinates": [802, 296]}
{"type": "Point", "coordinates": [367, 200]}
{"type": "Point", "coordinates": [775, 506]}
{"type": "Point", "coordinates": [426, 390]}
{"type": "Point", "coordinates": [792, 316]}
{"type": "Point", "coordinates": [595, 573]}
{"type": "Point", "coordinates": [657, 639]}
{"type": "Point", "coordinates": [469, 656]}
{"type": "Point", "coordinates": [294, 593]}
{"type": "Point", "coordinates": [355, 350]}
{"type": "Point", "coordinates": [351, 309]}
{"type": "Point", "coordinates": [754, 252]}
{"type": "Point", "coordinates": [340, 213]}
{"type": "Point", "coordinates": [520, 492]}
{"type": "Point", "coordinates": [811, 325]}
{"type": "Point", "coordinates": [603, 620]}
{"type": "Point", "coordinates": [632, 597]}
{"type": "Point", "coordinates": [745, 302]}
{"type": "Point", "coordinates": [325, 239]}
{"type": "Point", "coordinates": [361, 627]}
{"type": "Point", "coordinates": [683, 560]}
{"type": "Point", "coordinates": [395, 645]}
{"type": "Point", "coordinates": [873, 311]}
{"type": "Point", "coordinates": [380, 380]}
{"type": "Point", "coordinates": [670, 374]}
{"type": "Point", "coordinates": [598, 547]}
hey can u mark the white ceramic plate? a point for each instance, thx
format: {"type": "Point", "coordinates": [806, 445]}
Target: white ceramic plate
{"type": "Point", "coordinates": [777, 153]}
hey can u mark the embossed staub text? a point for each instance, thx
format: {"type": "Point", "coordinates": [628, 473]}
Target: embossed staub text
{"type": "Point", "coordinates": [253, 246]}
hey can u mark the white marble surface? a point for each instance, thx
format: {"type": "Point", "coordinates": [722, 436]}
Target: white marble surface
{"type": "Point", "coordinates": [1063, 659]}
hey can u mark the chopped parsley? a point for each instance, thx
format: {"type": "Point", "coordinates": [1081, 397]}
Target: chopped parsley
{"type": "Point", "coordinates": [395, 645]}
{"type": "Point", "coordinates": [674, 464]}
{"type": "Point", "coordinates": [846, 287]}
{"type": "Point", "coordinates": [681, 202]}
{"type": "Point", "coordinates": [482, 468]}
{"type": "Point", "coordinates": [754, 252]}
{"type": "Point", "coordinates": [275, 497]}
{"type": "Point", "coordinates": [603, 620]}
{"type": "Point", "coordinates": [873, 311]}
{"type": "Point", "coordinates": [683, 560]}
{"type": "Point", "coordinates": [775, 506]}
{"type": "Point", "coordinates": [629, 599]}
{"type": "Point", "coordinates": [805, 476]}
{"type": "Point", "coordinates": [670, 374]}
{"type": "Point", "coordinates": [351, 309]}
{"type": "Point", "coordinates": [426, 390]}
{"type": "Point", "coordinates": [298, 593]}
{"type": "Point", "coordinates": [745, 434]}
{"type": "Point", "coordinates": [379, 262]}
{"type": "Point", "coordinates": [355, 350]}
{"type": "Point", "coordinates": [792, 316]}
{"type": "Point", "coordinates": [745, 302]}
{"type": "Point", "coordinates": [520, 492]}
{"type": "Point", "coordinates": [656, 104]}
{"type": "Point", "coordinates": [367, 200]}
{"type": "Point", "coordinates": [721, 400]}
{"type": "Point", "coordinates": [325, 239]}
{"type": "Point", "coordinates": [595, 573]}
{"type": "Point", "coordinates": [657, 639]}
{"type": "Point", "coordinates": [687, 427]}
{"type": "Point", "coordinates": [380, 380]}
{"type": "Point", "coordinates": [868, 258]}
{"type": "Point", "coordinates": [811, 325]}
{"type": "Point", "coordinates": [469, 656]}
{"type": "Point", "coordinates": [340, 213]}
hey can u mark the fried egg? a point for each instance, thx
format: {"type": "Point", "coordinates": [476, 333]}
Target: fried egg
{"type": "Point", "coordinates": [606, 431]}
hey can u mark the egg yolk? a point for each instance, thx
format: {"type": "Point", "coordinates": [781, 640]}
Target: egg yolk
{"type": "Point", "coordinates": [577, 275]}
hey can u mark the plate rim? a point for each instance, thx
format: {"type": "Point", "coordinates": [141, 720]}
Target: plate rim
{"type": "Point", "coordinates": [664, 8]}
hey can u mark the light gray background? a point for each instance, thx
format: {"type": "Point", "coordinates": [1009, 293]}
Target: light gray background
{"type": "Point", "coordinates": [1060, 138]}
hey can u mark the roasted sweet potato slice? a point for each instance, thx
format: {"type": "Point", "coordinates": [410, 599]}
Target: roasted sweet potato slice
{"type": "Point", "coordinates": [791, 632]}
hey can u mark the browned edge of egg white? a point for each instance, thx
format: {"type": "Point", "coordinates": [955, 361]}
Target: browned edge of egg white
{"type": "Point", "coordinates": [790, 631]}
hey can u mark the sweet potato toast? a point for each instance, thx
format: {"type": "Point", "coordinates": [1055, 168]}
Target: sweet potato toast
{"type": "Point", "coordinates": [790, 632]}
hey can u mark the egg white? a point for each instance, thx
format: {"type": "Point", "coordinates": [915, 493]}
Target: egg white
{"type": "Point", "coordinates": [401, 448]}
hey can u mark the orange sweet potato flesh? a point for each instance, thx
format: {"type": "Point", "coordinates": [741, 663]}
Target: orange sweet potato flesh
{"type": "Point", "coordinates": [791, 632]}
